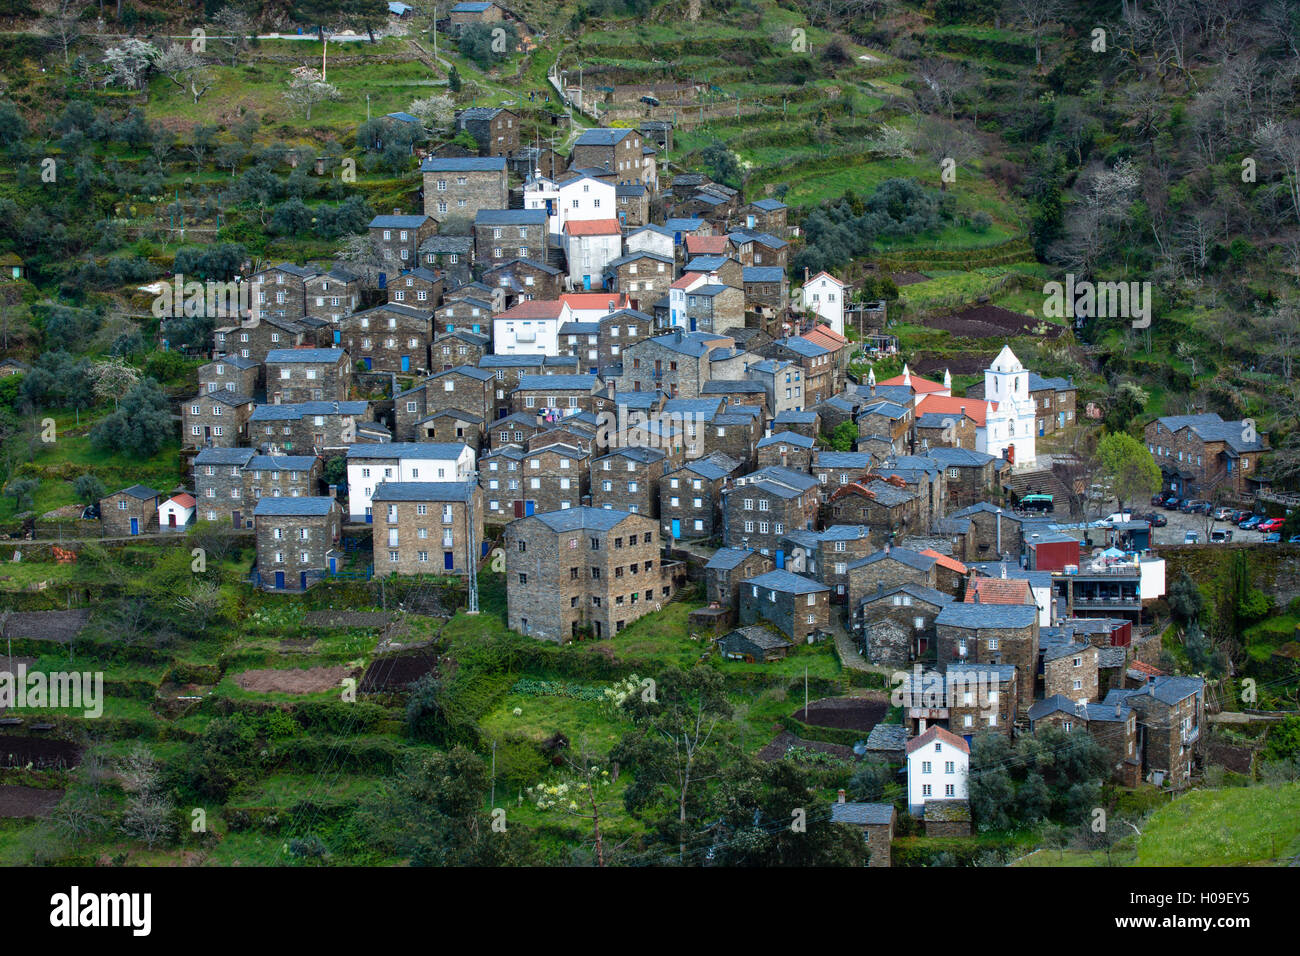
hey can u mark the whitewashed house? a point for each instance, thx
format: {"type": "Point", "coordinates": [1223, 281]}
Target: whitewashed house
{"type": "Point", "coordinates": [176, 513]}
{"type": "Point", "coordinates": [589, 246]}
{"type": "Point", "coordinates": [824, 294]}
{"type": "Point", "coordinates": [530, 328]}
{"type": "Point", "coordinates": [937, 764]}
{"type": "Point", "coordinates": [370, 464]}
{"type": "Point", "coordinates": [581, 198]}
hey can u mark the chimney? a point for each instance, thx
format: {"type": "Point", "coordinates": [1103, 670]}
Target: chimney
{"type": "Point", "coordinates": [397, 212]}
{"type": "Point", "coordinates": [841, 796]}
{"type": "Point", "coordinates": [977, 594]}
{"type": "Point", "coordinates": [1004, 570]}
{"type": "Point", "coordinates": [1117, 709]}
{"type": "Point", "coordinates": [880, 587]}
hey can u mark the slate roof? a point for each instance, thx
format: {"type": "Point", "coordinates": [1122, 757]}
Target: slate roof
{"type": "Point", "coordinates": [510, 217]}
{"type": "Point", "coordinates": [296, 410]}
{"type": "Point", "coordinates": [920, 591]}
{"type": "Point", "coordinates": [463, 164]}
{"type": "Point", "coordinates": [1057, 703]}
{"type": "Point", "coordinates": [602, 136]}
{"type": "Point", "coordinates": [862, 814]}
{"type": "Point", "coordinates": [758, 636]}
{"type": "Point", "coordinates": [768, 205]}
{"type": "Point", "coordinates": [528, 383]}
{"type": "Point", "coordinates": [958, 457]}
{"type": "Point", "coordinates": [282, 462]}
{"type": "Point", "coordinates": [423, 490]}
{"type": "Point", "coordinates": [224, 456]}
{"type": "Point", "coordinates": [801, 346]}
{"type": "Point", "coordinates": [143, 492]}
{"type": "Point", "coordinates": [786, 582]}
{"type": "Point", "coordinates": [790, 416]}
{"type": "Point", "coordinates": [786, 438]}
{"type": "Point", "coordinates": [422, 451]}
{"type": "Point", "coordinates": [851, 460]}
{"type": "Point", "coordinates": [583, 519]}
{"type": "Point", "coordinates": [297, 507]}
{"type": "Point", "coordinates": [887, 737]}
{"type": "Point", "coordinates": [727, 559]}
{"type": "Point", "coordinates": [440, 245]}
{"type": "Point", "coordinates": [1211, 427]}
{"type": "Point", "coordinates": [398, 222]}
{"type": "Point", "coordinates": [292, 356]}
{"type": "Point", "coordinates": [746, 386]}
{"type": "Point", "coordinates": [987, 615]}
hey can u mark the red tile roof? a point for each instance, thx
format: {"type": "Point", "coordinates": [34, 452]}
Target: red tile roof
{"type": "Point", "coordinates": [999, 591]}
{"type": "Point", "coordinates": [919, 385]}
{"type": "Point", "coordinates": [594, 300]}
{"type": "Point", "coordinates": [976, 408]}
{"type": "Point", "coordinates": [952, 564]}
{"type": "Point", "coordinates": [939, 734]}
{"type": "Point", "coordinates": [687, 280]}
{"type": "Point", "coordinates": [535, 309]}
{"type": "Point", "coordinates": [706, 245]}
{"type": "Point", "coordinates": [184, 500]}
{"type": "Point", "coordinates": [592, 227]}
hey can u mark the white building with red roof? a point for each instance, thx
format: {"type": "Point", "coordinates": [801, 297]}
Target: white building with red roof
{"type": "Point", "coordinates": [937, 764]}
{"type": "Point", "coordinates": [589, 246]}
{"type": "Point", "coordinates": [825, 294]}
{"type": "Point", "coordinates": [176, 513]}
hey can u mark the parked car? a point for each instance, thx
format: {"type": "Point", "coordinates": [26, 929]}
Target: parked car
{"type": "Point", "coordinates": [1171, 504]}
{"type": "Point", "coordinates": [1219, 536]}
{"type": "Point", "coordinates": [1269, 525]}
{"type": "Point", "coordinates": [1240, 515]}
{"type": "Point", "coordinates": [1223, 514]}
{"type": "Point", "coordinates": [1159, 499]}
{"type": "Point", "coordinates": [1155, 519]}
{"type": "Point", "coordinates": [1273, 538]}
{"type": "Point", "coordinates": [1294, 539]}
{"type": "Point", "coordinates": [1117, 516]}
{"type": "Point", "coordinates": [1194, 506]}
{"type": "Point", "coordinates": [1250, 523]}
{"type": "Point", "coordinates": [1191, 537]}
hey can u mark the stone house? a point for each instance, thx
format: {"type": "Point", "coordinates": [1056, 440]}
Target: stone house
{"type": "Point", "coordinates": [883, 505]}
{"type": "Point", "coordinates": [835, 469]}
{"type": "Point", "coordinates": [221, 489]}
{"type": "Point", "coordinates": [758, 248]}
{"type": "Point", "coordinates": [297, 541]}
{"type": "Point", "coordinates": [816, 362]}
{"type": "Point", "coordinates": [495, 129]}
{"type": "Point", "coordinates": [307, 375]}
{"type": "Point", "coordinates": [427, 527]}
{"type": "Point", "coordinates": [501, 479]}
{"type": "Point", "coordinates": [642, 275]}
{"type": "Point", "coordinates": [1113, 726]}
{"type": "Point", "coordinates": [503, 235]}
{"type": "Point", "coordinates": [552, 478]}
{"type": "Point", "coordinates": [785, 449]}
{"type": "Point", "coordinates": [982, 697]}
{"type": "Point", "coordinates": [734, 433]}
{"type": "Point", "coordinates": [968, 474]}
{"type": "Point", "coordinates": [253, 339]}
{"type": "Point", "coordinates": [633, 203]}
{"type": "Point", "coordinates": [888, 568]}
{"type": "Point", "coordinates": [457, 347]}
{"type": "Point", "coordinates": [469, 314]}
{"type": "Point", "coordinates": [230, 374]}
{"type": "Point", "coordinates": [280, 291]}
{"type": "Point", "coordinates": [449, 256]}
{"type": "Point", "coordinates": [216, 420]}
{"type": "Point", "coordinates": [911, 607]}
{"type": "Point", "coordinates": [389, 338]}
{"type": "Point", "coordinates": [469, 12]}
{"type": "Point", "coordinates": [1070, 670]}
{"type": "Point", "coordinates": [875, 820]}
{"type": "Point", "coordinates": [991, 634]}
{"type": "Point", "coordinates": [457, 189]}
{"type": "Point", "coordinates": [332, 295]}
{"type": "Point", "coordinates": [465, 389]}
{"type": "Point", "coordinates": [782, 382]}
{"type": "Point", "coordinates": [724, 571]}
{"type": "Point", "coordinates": [762, 507]}
{"type": "Point", "coordinates": [317, 427]}
{"type": "Point", "coordinates": [676, 363]}
{"type": "Point", "coordinates": [1198, 454]}
{"type": "Point", "coordinates": [618, 151]}
{"type": "Point", "coordinates": [766, 215]}
{"type": "Point", "coordinates": [525, 279]}
{"type": "Point", "coordinates": [753, 644]}
{"type": "Point", "coordinates": [628, 479]}
{"type": "Point", "coordinates": [418, 288]}
{"type": "Point", "coordinates": [766, 289]}
{"type": "Point", "coordinates": [553, 397]}
{"type": "Point", "coordinates": [130, 511]}
{"type": "Point", "coordinates": [690, 497]}
{"type": "Point", "coordinates": [582, 571]}
{"type": "Point", "coordinates": [397, 239]}
{"type": "Point", "coordinates": [827, 554]}
{"type": "Point", "coordinates": [794, 604]}
{"type": "Point", "coordinates": [886, 643]}
{"type": "Point", "coordinates": [1170, 715]}
{"type": "Point", "coordinates": [885, 420]}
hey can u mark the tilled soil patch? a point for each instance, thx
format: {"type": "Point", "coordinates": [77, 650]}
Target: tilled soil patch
{"type": "Point", "coordinates": [847, 713]}
{"type": "Point", "coordinates": [27, 801]}
{"type": "Point", "coordinates": [42, 753]}
{"type": "Point", "coordinates": [302, 680]}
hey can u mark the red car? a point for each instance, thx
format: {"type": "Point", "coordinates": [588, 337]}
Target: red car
{"type": "Point", "coordinates": [1269, 526]}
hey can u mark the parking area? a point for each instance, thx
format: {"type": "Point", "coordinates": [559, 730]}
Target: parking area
{"type": "Point", "coordinates": [1180, 524]}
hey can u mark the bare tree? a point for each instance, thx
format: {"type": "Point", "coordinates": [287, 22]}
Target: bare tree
{"type": "Point", "coordinates": [63, 24]}
{"type": "Point", "coordinates": [1280, 143]}
{"type": "Point", "coordinates": [307, 88]}
{"type": "Point", "coordinates": [1038, 16]}
{"type": "Point", "coordinates": [237, 26]}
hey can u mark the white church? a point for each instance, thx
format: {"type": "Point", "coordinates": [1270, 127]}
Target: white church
{"type": "Point", "coordinates": [1009, 421]}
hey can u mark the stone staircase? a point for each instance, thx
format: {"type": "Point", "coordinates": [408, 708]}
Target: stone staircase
{"type": "Point", "coordinates": [1040, 481]}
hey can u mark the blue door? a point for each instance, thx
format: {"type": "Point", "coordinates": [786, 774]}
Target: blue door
{"type": "Point", "coordinates": [529, 507]}
{"type": "Point", "coordinates": [586, 283]}
{"type": "Point", "coordinates": [967, 738]}
{"type": "Point", "coordinates": [448, 561]}
{"type": "Point", "coordinates": [338, 336]}
{"type": "Point", "coordinates": [383, 280]}
{"type": "Point", "coordinates": [366, 362]}
{"type": "Point", "coordinates": [478, 329]}
{"type": "Point", "coordinates": [406, 363]}
{"type": "Point", "coordinates": [302, 580]}
{"type": "Point", "coordinates": [780, 558]}
{"type": "Point", "coordinates": [135, 525]}
{"type": "Point", "coordinates": [334, 564]}
{"type": "Point", "coordinates": [692, 323]}
{"type": "Point", "coordinates": [677, 528]}
{"type": "Point", "coordinates": [279, 580]}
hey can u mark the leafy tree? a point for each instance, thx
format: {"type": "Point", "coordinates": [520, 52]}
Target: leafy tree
{"type": "Point", "coordinates": [130, 61]}
{"type": "Point", "coordinates": [1283, 740]}
{"type": "Point", "coordinates": [454, 82]}
{"type": "Point", "coordinates": [432, 813]}
{"type": "Point", "coordinates": [482, 43]}
{"type": "Point", "coordinates": [722, 165]}
{"type": "Point", "coordinates": [89, 489]}
{"type": "Point", "coordinates": [871, 782]}
{"type": "Point", "coordinates": [988, 784]}
{"type": "Point", "coordinates": [1033, 801]}
{"type": "Point", "coordinates": [141, 425]}
{"type": "Point", "coordinates": [1129, 466]}
{"type": "Point", "coordinates": [307, 88]}
{"type": "Point", "coordinates": [222, 757]}
{"type": "Point", "coordinates": [23, 492]}
{"type": "Point", "coordinates": [1185, 599]}
{"type": "Point", "coordinates": [674, 749]}
{"type": "Point", "coordinates": [843, 437]}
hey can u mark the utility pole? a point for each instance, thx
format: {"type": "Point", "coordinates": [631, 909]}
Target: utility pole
{"type": "Point", "coordinates": [324, 48]}
{"type": "Point", "coordinates": [805, 693]}
{"type": "Point", "coordinates": [471, 553]}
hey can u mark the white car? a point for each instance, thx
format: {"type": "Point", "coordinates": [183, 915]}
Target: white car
{"type": "Point", "coordinates": [1118, 516]}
